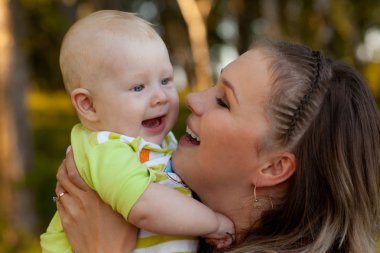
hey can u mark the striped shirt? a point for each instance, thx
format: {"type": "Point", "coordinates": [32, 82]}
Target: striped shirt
{"type": "Point", "coordinates": [115, 166]}
{"type": "Point", "coordinates": [155, 157]}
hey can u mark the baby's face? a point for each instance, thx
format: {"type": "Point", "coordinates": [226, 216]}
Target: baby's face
{"type": "Point", "coordinates": [137, 96]}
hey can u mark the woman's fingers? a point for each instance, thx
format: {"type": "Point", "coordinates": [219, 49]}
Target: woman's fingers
{"type": "Point", "coordinates": [71, 190]}
{"type": "Point", "coordinates": [64, 184]}
{"type": "Point", "coordinates": [88, 218]}
{"type": "Point", "coordinates": [64, 213]}
{"type": "Point", "coordinates": [59, 187]}
{"type": "Point", "coordinates": [73, 173]}
{"type": "Point", "coordinates": [84, 216]}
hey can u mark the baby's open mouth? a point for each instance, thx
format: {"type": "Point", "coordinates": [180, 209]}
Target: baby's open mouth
{"type": "Point", "coordinates": [152, 123]}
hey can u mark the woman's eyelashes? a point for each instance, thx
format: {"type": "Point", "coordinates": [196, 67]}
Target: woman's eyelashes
{"type": "Point", "coordinates": [222, 103]}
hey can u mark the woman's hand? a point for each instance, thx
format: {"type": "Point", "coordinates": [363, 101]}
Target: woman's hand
{"type": "Point", "coordinates": [89, 223]}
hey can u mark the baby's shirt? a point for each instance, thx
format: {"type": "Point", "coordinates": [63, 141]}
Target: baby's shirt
{"type": "Point", "coordinates": [112, 165]}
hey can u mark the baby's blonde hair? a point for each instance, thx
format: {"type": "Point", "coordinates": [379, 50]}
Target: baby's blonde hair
{"type": "Point", "coordinates": [89, 36]}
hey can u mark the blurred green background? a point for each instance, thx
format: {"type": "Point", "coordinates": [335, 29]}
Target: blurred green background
{"type": "Point", "coordinates": [202, 36]}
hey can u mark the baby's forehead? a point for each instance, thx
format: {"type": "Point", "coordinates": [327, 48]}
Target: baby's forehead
{"type": "Point", "coordinates": [102, 36]}
{"type": "Point", "coordinates": [92, 41]}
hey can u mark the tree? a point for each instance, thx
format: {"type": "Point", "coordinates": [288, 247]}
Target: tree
{"type": "Point", "coordinates": [13, 128]}
{"type": "Point", "coordinates": [195, 13]}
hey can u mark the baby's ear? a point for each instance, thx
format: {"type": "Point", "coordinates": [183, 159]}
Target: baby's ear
{"type": "Point", "coordinates": [83, 103]}
{"type": "Point", "coordinates": [279, 169]}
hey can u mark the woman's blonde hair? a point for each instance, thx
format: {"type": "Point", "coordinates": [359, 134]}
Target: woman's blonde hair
{"type": "Point", "coordinates": [323, 112]}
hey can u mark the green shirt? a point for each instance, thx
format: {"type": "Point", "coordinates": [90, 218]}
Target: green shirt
{"type": "Point", "coordinates": [109, 163]}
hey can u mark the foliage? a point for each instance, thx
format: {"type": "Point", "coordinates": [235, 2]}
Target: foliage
{"type": "Point", "coordinates": [46, 25]}
{"type": "Point", "coordinates": [335, 26]}
{"type": "Point", "coordinates": [52, 117]}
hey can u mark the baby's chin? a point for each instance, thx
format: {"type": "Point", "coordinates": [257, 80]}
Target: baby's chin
{"type": "Point", "coordinates": [159, 139]}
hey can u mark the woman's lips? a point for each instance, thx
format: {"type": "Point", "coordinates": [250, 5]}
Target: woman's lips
{"type": "Point", "coordinates": [187, 140]}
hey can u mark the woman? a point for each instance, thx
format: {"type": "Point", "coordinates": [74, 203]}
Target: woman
{"type": "Point", "coordinates": [289, 151]}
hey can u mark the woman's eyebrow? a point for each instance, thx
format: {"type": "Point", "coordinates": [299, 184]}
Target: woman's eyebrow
{"type": "Point", "coordinates": [231, 87]}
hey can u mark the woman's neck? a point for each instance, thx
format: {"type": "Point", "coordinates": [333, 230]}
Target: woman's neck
{"type": "Point", "coordinates": [235, 205]}
{"type": "Point", "coordinates": [242, 207]}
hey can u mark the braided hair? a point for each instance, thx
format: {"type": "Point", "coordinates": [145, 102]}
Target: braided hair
{"type": "Point", "coordinates": [305, 101]}
{"type": "Point", "coordinates": [298, 90]}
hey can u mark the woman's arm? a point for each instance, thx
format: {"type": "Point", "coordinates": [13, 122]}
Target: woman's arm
{"type": "Point", "coordinates": [89, 223]}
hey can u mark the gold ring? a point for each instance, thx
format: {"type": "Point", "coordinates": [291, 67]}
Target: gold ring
{"type": "Point", "coordinates": [56, 199]}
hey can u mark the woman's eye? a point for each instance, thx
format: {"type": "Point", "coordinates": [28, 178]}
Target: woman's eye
{"type": "Point", "coordinates": [165, 81]}
{"type": "Point", "coordinates": [221, 103]}
{"type": "Point", "coordinates": [138, 88]}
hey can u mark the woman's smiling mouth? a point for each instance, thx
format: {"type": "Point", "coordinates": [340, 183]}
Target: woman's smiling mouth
{"type": "Point", "coordinates": [192, 137]}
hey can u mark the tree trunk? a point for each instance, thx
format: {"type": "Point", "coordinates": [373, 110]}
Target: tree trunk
{"type": "Point", "coordinates": [15, 211]}
{"type": "Point", "coordinates": [245, 12]}
{"type": "Point", "coordinates": [194, 14]}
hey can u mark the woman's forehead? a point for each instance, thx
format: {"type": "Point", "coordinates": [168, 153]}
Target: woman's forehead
{"type": "Point", "coordinates": [249, 74]}
{"type": "Point", "coordinates": [251, 62]}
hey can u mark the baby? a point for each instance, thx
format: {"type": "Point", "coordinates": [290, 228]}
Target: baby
{"type": "Point", "coordinates": [117, 71]}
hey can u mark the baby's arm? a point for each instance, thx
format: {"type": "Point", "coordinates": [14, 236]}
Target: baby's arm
{"type": "Point", "coordinates": [165, 211]}
{"type": "Point", "coordinates": [150, 206]}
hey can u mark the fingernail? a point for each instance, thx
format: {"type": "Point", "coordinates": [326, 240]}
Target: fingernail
{"type": "Point", "coordinates": [68, 149]}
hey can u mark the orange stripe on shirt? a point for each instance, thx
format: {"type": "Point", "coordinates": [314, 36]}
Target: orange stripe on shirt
{"type": "Point", "coordinates": [144, 155]}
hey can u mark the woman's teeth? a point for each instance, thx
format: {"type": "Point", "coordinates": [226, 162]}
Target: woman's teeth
{"type": "Point", "coordinates": [192, 134]}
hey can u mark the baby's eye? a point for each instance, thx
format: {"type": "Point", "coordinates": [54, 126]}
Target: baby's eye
{"type": "Point", "coordinates": [165, 81]}
{"type": "Point", "coordinates": [221, 103]}
{"type": "Point", "coordinates": [138, 88]}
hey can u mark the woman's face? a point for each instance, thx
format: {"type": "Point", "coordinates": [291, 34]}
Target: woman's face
{"type": "Point", "coordinates": [229, 120]}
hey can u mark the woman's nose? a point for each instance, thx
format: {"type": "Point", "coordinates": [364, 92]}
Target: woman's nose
{"type": "Point", "coordinates": [160, 97]}
{"type": "Point", "coordinates": [194, 103]}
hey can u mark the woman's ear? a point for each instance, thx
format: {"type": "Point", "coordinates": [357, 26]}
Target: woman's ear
{"type": "Point", "coordinates": [280, 168]}
{"type": "Point", "coordinates": [83, 103]}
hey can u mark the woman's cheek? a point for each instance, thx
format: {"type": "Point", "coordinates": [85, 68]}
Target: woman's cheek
{"type": "Point", "coordinates": [225, 158]}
